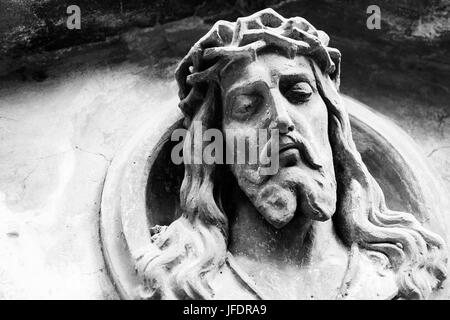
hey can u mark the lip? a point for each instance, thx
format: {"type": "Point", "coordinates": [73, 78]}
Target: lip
{"type": "Point", "coordinates": [291, 150]}
{"type": "Point", "coordinates": [287, 146]}
{"type": "Point", "coordinates": [303, 148]}
{"type": "Point", "coordinates": [289, 156]}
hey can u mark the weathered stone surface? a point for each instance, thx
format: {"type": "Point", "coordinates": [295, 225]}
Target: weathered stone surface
{"type": "Point", "coordinates": [91, 100]}
{"type": "Point", "coordinates": [410, 50]}
{"type": "Point", "coordinates": [313, 223]}
{"type": "Point", "coordinates": [57, 140]}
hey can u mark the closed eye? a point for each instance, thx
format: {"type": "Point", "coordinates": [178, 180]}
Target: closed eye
{"type": "Point", "coordinates": [245, 105]}
{"type": "Point", "coordinates": [298, 93]}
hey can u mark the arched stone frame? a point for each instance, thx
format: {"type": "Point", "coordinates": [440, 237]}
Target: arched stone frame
{"type": "Point", "coordinates": [138, 193]}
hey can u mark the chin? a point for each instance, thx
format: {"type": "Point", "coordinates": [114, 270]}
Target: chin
{"type": "Point", "coordinates": [300, 189]}
{"type": "Point", "coordinates": [276, 204]}
{"type": "Point", "coordinates": [294, 190]}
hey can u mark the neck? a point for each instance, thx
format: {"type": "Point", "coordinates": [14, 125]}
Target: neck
{"type": "Point", "coordinates": [301, 242]}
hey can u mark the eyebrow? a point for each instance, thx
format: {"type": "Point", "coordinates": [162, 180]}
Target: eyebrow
{"type": "Point", "coordinates": [297, 77]}
{"type": "Point", "coordinates": [284, 79]}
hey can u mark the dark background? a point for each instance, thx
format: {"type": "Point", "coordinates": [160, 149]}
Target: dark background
{"type": "Point", "coordinates": [411, 50]}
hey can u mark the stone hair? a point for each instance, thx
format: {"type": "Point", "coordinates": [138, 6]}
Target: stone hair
{"type": "Point", "coordinates": [228, 41]}
{"type": "Point", "coordinates": [194, 247]}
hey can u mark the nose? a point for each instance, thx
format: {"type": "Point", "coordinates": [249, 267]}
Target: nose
{"type": "Point", "coordinates": [281, 119]}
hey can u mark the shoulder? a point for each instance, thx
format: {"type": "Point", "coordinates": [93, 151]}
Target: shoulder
{"type": "Point", "coordinates": [370, 278]}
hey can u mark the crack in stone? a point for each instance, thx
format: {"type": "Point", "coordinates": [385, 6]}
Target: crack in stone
{"type": "Point", "coordinates": [52, 155]}
{"type": "Point", "coordinates": [94, 153]}
{"type": "Point", "coordinates": [437, 149]}
{"type": "Point", "coordinates": [25, 179]}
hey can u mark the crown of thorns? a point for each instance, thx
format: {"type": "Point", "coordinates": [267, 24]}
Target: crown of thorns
{"type": "Point", "coordinates": [228, 41]}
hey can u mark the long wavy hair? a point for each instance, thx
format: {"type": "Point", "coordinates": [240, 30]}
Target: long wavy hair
{"type": "Point", "coordinates": [192, 249]}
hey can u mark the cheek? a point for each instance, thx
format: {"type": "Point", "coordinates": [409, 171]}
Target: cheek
{"type": "Point", "coordinates": [241, 153]}
{"type": "Point", "coordinates": [311, 120]}
{"type": "Point", "coordinates": [318, 114]}
{"type": "Point", "coordinates": [242, 135]}
{"type": "Point", "coordinates": [233, 133]}
{"type": "Point", "coordinates": [238, 140]}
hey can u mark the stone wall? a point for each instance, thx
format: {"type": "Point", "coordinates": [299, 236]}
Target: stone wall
{"type": "Point", "coordinates": [70, 99]}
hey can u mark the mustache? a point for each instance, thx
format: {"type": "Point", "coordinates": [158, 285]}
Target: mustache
{"type": "Point", "coordinates": [293, 139]}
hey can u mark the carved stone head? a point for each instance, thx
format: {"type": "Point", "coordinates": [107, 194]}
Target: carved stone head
{"type": "Point", "coordinates": [267, 72]}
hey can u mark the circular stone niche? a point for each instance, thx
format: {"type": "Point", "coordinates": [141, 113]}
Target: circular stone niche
{"type": "Point", "coordinates": [142, 186]}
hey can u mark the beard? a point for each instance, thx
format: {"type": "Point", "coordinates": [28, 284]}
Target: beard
{"type": "Point", "coordinates": [303, 186]}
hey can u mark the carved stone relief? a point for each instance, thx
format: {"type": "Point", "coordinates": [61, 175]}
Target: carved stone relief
{"type": "Point", "coordinates": [352, 213]}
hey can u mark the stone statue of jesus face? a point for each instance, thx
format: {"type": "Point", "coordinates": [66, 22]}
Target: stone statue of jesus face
{"type": "Point", "coordinates": [276, 92]}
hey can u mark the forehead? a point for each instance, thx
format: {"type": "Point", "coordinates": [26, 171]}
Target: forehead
{"type": "Point", "coordinates": [267, 67]}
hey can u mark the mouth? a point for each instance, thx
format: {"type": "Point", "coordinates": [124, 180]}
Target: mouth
{"type": "Point", "coordinates": [289, 155]}
{"type": "Point", "coordinates": [287, 146]}
{"type": "Point", "coordinates": [304, 149]}
{"type": "Point", "coordinates": [292, 149]}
